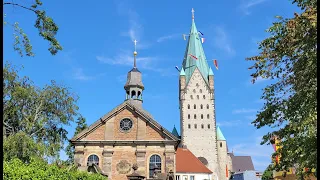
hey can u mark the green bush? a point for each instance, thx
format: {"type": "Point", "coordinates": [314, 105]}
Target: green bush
{"type": "Point", "coordinates": [39, 170]}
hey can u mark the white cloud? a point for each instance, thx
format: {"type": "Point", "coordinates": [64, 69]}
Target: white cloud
{"type": "Point", "coordinates": [260, 154]}
{"type": "Point", "coordinates": [135, 31]}
{"type": "Point", "coordinates": [147, 63]}
{"type": "Point", "coordinates": [80, 75]}
{"type": "Point", "coordinates": [243, 110]}
{"type": "Point", "coordinates": [165, 38]}
{"type": "Point", "coordinates": [245, 6]}
{"type": "Point", "coordinates": [229, 123]}
{"type": "Point", "coordinates": [222, 41]}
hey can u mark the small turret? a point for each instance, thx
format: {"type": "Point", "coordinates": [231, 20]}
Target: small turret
{"type": "Point", "coordinates": [134, 86]}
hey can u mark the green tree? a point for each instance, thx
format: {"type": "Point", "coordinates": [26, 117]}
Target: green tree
{"type": "Point", "coordinates": [81, 125]}
{"type": "Point", "coordinates": [45, 25]}
{"type": "Point", "coordinates": [289, 58]}
{"type": "Point", "coordinates": [40, 113]}
{"type": "Point", "coordinates": [267, 174]}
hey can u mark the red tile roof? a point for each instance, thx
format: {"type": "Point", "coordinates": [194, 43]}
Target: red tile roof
{"type": "Point", "coordinates": [186, 162]}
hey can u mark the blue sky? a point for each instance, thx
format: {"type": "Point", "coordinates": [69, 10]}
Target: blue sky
{"type": "Point", "coordinates": [97, 40]}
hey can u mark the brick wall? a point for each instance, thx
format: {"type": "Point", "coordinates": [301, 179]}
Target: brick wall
{"type": "Point", "coordinates": [97, 134]}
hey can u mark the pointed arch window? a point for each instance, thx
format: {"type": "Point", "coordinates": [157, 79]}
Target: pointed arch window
{"type": "Point", "coordinates": [93, 159]}
{"type": "Point", "coordinates": [154, 162]}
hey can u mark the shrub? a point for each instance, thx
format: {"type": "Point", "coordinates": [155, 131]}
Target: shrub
{"type": "Point", "coordinates": [38, 170]}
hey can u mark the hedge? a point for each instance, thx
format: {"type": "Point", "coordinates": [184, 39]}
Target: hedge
{"type": "Point", "coordinates": [39, 170]}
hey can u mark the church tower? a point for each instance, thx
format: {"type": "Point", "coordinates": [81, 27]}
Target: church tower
{"type": "Point", "coordinates": [134, 86]}
{"type": "Point", "coordinates": [197, 110]}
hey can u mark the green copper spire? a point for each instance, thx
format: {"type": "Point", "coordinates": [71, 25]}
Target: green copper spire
{"type": "Point", "coordinates": [175, 132]}
{"type": "Point", "coordinates": [194, 56]}
{"type": "Point", "coordinates": [182, 73]}
{"type": "Point", "coordinates": [210, 72]}
{"type": "Point", "coordinates": [220, 136]}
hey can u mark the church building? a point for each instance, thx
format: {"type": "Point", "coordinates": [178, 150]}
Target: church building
{"type": "Point", "coordinates": [128, 135]}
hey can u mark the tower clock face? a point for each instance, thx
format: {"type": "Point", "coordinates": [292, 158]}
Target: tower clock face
{"type": "Point", "coordinates": [125, 125]}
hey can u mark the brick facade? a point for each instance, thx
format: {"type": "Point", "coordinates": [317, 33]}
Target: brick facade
{"type": "Point", "coordinates": [126, 151]}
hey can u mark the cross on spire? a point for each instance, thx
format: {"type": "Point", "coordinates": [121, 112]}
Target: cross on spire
{"type": "Point", "coordinates": [192, 11]}
{"type": "Point", "coordinates": [135, 53]}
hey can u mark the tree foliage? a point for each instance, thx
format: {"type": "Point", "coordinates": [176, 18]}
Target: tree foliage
{"type": "Point", "coordinates": [267, 174]}
{"type": "Point", "coordinates": [39, 169]}
{"type": "Point", "coordinates": [289, 58]}
{"type": "Point", "coordinates": [81, 125]}
{"type": "Point", "coordinates": [45, 25]}
{"type": "Point", "coordinates": [40, 113]}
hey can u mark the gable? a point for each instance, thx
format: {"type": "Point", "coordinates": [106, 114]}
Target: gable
{"type": "Point", "coordinates": [108, 128]}
{"type": "Point", "coordinates": [197, 81]}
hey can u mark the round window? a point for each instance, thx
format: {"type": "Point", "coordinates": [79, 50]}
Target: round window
{"type": "Point", "coordinates": [125, 124]}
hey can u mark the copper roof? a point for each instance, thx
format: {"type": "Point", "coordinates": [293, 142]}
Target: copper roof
{"type": "Point", "coordinates": [186, 162]}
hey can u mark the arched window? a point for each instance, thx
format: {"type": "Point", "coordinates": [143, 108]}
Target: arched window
{"type": "Point", "coordinates": [188, 116]}
{"type": "Point", "coordinates": [220, 144]}
{"type": "Point", "coordinates": [208, 116]}
{"type": "Point", "coordinates": [194, 106]}
{"type": "Point", "coordinates": [133, 94]}
{"type": "Point", "coordinates": [197, 96]}
{"type": "Point", "coordinates": [195, 116]}
{"type": "Point", "coordinates": [155, 161]}
{"type": "Point", "coordinates": [194, 91]}
{"type": "Point", "coordinates": [201, 106]}
{"type": "Point", "coordinates": [208, 126]}
{"type": "Point", "coordinates": [207, 106]}
{"type": "Point", "coordinates": [195, 126]}
{"type": "Point", "coordinates": [189, 126]}
{"type": "Point", "coordinates": [202, 126]}
{"type": "Point", "coordinates": [188, 106]}
{"type": "Point", "coordinates": [191, 96]}
{"type": "Point", "coordinates": [204, 96]}
{"type": "Point", "coordinates": [200, 90]}
{"type": "Point", "coordinates": [93, 159]}
{"type": "Point", "coordinates": [201, 116]}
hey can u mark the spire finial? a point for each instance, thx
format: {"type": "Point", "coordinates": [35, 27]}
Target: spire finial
{"type": "Point", "coordinates": [135, 53]}
{"type": "Point", "coordinates": [192, 11]}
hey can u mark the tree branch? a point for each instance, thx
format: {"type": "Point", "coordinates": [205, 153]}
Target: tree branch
{"type": "Point", "coordinates": [15, 4]}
